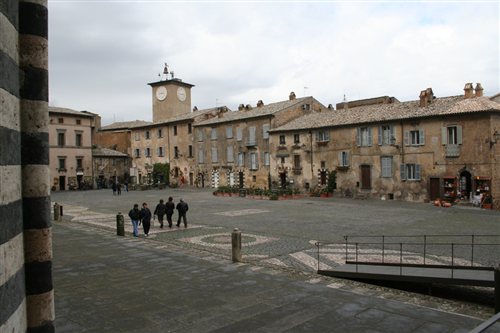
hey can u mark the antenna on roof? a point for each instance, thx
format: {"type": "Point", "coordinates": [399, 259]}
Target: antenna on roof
{"type": "Point", "coordinates": [165, 70]}
{"type": "Point", "coordinates": [345, 99]}
{"type": "Point", "coordinates": [305, 90]}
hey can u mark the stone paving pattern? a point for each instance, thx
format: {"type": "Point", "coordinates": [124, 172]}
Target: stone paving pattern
{"type": "Point", "coordinates": [278, 236]}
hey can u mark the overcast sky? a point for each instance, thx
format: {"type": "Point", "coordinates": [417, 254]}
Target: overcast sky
{"type": "Point", "coordinates": [103, 53]}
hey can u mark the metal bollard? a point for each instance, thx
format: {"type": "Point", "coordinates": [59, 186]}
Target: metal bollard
{"type": "Point", "coordinates": [497, 289]}
{"type": "Point", "coordinates": [61, 210]}
{"type": "Point", "coordinates": [236, 245]}
{"type": "Point", "coordinates": [56, 212]}
{"type": "Point", "coordinates": [120, 225]}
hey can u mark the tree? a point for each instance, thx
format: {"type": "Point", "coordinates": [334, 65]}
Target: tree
{"type": "Point", "coordinates": [332, 181]}
{"type": "Point", "coordinates": [161, 173]}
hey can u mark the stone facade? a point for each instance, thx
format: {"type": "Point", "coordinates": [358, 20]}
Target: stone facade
{"type": "Point", "coordinates": [70, 143]}
{"type": "Point", "coordinates": [170, 98]}
{"type": "Point", "coordinates": [26, 289]}
{"type": "Point", "coordinates": [110, 166]}
{"type": "Point", "coordinates": [233, 149]}
{"type": "Point", "coordinates": [418, 150]}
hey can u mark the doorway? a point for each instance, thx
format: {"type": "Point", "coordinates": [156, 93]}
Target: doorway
{"type": "Point", "coordinates": [283, 179]}
{"type": "Point", "coordinates": [62, 183]}
{"type": "Point", "coordinates": [191, 176]}
{"type": "Point", "coordinates": [241, 179]}
{"type": "Point", "coordinates": [322, 177]}
{"type": "Point", "coordinates": [434, 189]}
{"type": "Point", "coordinates": [465, 184]}
{"type": "Point", "coordinates": [366, 179]}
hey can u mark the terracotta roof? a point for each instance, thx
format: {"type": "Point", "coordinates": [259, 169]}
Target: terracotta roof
{"type": "Point", "coordinates": [388, 112]}
{"type": "Point", "coordinates": [265, 110]}
{"type": "Point", "coordinates": [125, 125]}
{"type": "Point", "coordinates": [53, 109]}
{"type": "Point", "coordinates": [107, 152]}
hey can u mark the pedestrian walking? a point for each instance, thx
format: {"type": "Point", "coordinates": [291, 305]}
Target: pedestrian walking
{"type": "Point", "coordinates": [135, 216]}
{"type": "Point", "coordinates": [113, 186]}
{"type": "Point", "coordinates": [182, 208]}
{"type": "Point", "coordinates": [146, 218]}
{"type": "Point", "coordinates": [126, 186]}
{"type": "Point", "coordinates": [160, 210]}
{"type": "Point", "coordinates": [119, 188]}
{"type": "Point", "coordinates": [170, 206]}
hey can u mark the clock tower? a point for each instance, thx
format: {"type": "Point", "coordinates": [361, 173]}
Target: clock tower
{"type": "Point", "coordinates": [171, 98]}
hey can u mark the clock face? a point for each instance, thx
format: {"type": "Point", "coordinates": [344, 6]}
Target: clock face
{"type": "Point", "coordinates": [161, 93]}
{"type": "Point", "coordinates": [181, 94]}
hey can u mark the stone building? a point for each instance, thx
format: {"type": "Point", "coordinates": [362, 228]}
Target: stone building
{"type": "Point", "coordinates": [417, 150]}
{"type": "Point", "coordinates": [110, 166]}
{"type": "Point", "coordinates": [116, 136]}
{"type": "Point", "coordinates": [70, 143]}
{"type": "Point", "coordinates": [26, 288]}
{"type": "Point", "coordinates": [232, 149]}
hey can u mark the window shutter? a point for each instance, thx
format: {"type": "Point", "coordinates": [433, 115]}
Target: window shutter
{"type": "Point", "coordinates": [370, 139]}
{"type": "Point", "coordinates": [158, 151]}
{"type": "Point", "coordinates": [317, 136]}
{"type": "Point", "coordinates": [407, 138]}
{"type": "Point", "coordinates": [239, 134]}
{"type": "Point", "coordinates": [392, 139]}
{"type": "Point", "coordinates": [346, 158]}
{"type": "Point", "coordinates": [380, 136]}
{"type": "Point", "coordinates": [417, 171]}
{"type": "Point", "coordinates": [340, 159]}
{"type": "Point", "coordinates": [444, 138]}
{"type": "Point", "coordinates": [403, 171]}
{"type": "Point", "coordinates": [265, 131]}
{"type": "Point", "coordinates": [421, 134]}
{"type": "Point", "coordinates": [358, 137]}
{"type": "Point", "coordinates": [251, 134]}
{"type": "Point", "coordinates": [459, 134]}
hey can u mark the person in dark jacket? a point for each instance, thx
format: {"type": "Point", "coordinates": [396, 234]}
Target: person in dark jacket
{"type": "Point", "coordinates": [135, 216]}
{"type": "Point", "coordinates": [160, 211]}
{"type": "Point", "coordinates": [182, 209]}
{"type": "Point", "coordinates": [146, 218]}
{"type": "Point", "coordinates": [170, 206]}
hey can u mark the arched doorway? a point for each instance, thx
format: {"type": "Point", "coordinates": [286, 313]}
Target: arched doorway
{"type": "Point", "coordinates": [283, 177]}
{"type": "Point", "coordinates": [465, 184]}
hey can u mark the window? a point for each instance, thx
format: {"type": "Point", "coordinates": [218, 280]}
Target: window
{"type": "Point", "coordinates": [190, 128]}
{"type": "Point", "coordinates": [414, 138]}
{"type": "Point", "coordinates": [229, 132]}
{"type": "Point", "coordinates": [61, 139]}
{"type": "Point", "coordinates": [175, 130]}
{"type": "Point", "coordinates": [267, 158]}
{"type": "Point", "coordinates": [215, 158]}
{"type": "Point", "coordinates": [452, 135]}
{"type": "Point", "coordinates": [160, 152]}
{"type": "Point", "coordinates": [147, 135]}
{"type": "Point", "coordinates": [62, 163]}
{"type": "Point", "coordinates": [322, 136]}
{"type": "Point", "coordinates": [176, 152]}
{"type": "Point", "coordinates": [296, 162]}
{"type": "Point", "coordinates": [78, 121]}
{"type": "Point", "coordinates": [410, 171]}
{"type": "Point", "coordinates": [283, 160]}
{"type": "Point", "coordinates": [201, 135]}
{"type": "Point", "coordinates": [306, 107]}
{"type": "Point", "coordinates": [265, 131]}
{"type": "Point", "coordinates": [137, 152]}
{"type": "Point", "coordinates": [60, 120]}
{"type": "Point", "coordinates": [190, 151]}
{"type": "Point", "coordinates": [213, 134]}
{"type": "Point", "coordinates": [137, 136]}
{"type": "Point", "coordinates": [282, 139]}
{"type": "Point", "coordinates": [253, 161]}
{"type": "Point", "coordinates": [79, 162]}
{"type": "Point", "coordinates": [386, 166]}
{"type": "Point", "coordinates": [251, 135]}
{"type": "Point", "coordinates": [364, 136]}
{"type": "Point", "coordinates": [239, 134]}
{"type": "Point", "coordinates": [147, 152]}
{"type": "Point", "coordinates": [230, 154]}
{"type": "Point", "coordinates": [113, 162]}
{"type": "Point", "coordinates": [343, 159]}
{"type": "Point", "coordinates": [160, 133]}
{"type": "Point", "coordinates": [78, 139]}
{"type": "Point", "coordinates": [201, 156]}
{"type": "Point", "coordinates": [323, 165]}
{"type": "Point", "coordinates": [296, 138]}
{"type": "Point", "coordinates": [241, 159]}
{"type": "Point", "coordinates": [386, 135]}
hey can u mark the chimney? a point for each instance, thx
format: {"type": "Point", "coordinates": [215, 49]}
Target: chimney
{"type": "Point", "coordinates": [195, 108]}
{"type": "Point", "coordinates": [292, 96]}
{"type": "Point", "coordinates": [430, 95]}
{"type": "Point", "coordinates": [330, 107]}
{"type": "Point", "coordinates": [479, 90]}
{"type": "Point", "coordinates": [241, 107]}
{"type": "Point", "coordinates": [248, 107]}
{"type": "Point", "coordinates": [423, 98]}
{"type": "Point", "coordinates": [260, 103]}
{"type": "Point", "coordinates": [469, 90]}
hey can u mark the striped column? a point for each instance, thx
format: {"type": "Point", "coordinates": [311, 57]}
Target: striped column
{"type": "Point", "coordinates": [33, 65]}
{"type": "Point", "coordinates": [13, 316]}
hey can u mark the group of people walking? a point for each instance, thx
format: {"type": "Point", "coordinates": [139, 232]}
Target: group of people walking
{"type": "Point", "coordinates": [162, 209]}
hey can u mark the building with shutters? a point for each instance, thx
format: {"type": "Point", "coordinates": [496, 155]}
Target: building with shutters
{"type": "Point", "coordinates": [420, 150]}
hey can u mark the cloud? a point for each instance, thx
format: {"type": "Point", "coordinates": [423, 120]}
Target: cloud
{"type": "Point", "coordinates": [103, 54]}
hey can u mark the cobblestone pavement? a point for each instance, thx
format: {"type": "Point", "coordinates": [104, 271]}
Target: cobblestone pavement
{"type": "Point", "coordinates": [283, 234]}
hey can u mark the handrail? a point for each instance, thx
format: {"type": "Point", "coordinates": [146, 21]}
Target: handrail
{"type": "Point", "coordinates": [486, 324]}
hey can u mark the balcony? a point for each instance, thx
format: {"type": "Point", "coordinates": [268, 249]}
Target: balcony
{"type": "Point", "coordinates": [452, 150]}
{"type": "Point", "coordinates": [297, 170]}
{"type": "Point", "coordinates": [323, 142]}
{"type": "Point", "coordinates": [251, 143]}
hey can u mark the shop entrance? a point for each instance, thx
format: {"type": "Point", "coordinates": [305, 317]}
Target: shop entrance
{"type": "Point", "coordinates": [465, 184]}
{"type": "Point", "coordinates": [62, 183]}
{"type": "Point", "coordinates": [366, 179]}
{"type": "Point", "coordinates": [283, 179]}
{"type": "Point", "coordinates": [241, 180]}
{"type": "Point", "coordinates": [434, 190]}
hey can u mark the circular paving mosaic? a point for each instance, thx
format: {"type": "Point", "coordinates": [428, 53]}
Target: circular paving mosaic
{"type": "Point", "coordinates": [223, 240]}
